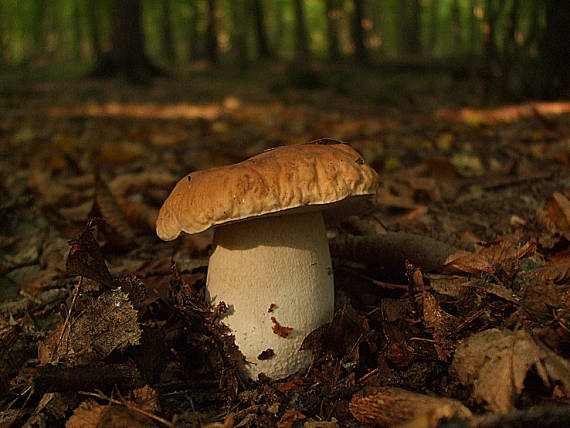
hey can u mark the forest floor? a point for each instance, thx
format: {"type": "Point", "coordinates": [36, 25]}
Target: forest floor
{"type": "Point", "coordinates": [452, 297]}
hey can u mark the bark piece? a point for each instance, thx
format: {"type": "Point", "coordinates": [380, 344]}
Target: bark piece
{"type": "Point", "coordinates": [394, 406]}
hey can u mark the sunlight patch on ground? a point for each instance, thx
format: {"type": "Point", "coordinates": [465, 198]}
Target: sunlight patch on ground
{"type": "Point", "coordinates": [508, 113]}
{"type": "Point", "coordinates": [137, 110]}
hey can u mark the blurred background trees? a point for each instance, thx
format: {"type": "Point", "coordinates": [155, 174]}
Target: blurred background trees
{"type": "Point", "coordinates": [518, 47]}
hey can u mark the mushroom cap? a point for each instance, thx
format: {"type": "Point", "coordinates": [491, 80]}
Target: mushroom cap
{"type": "Point", "coordinates": [297, 178]}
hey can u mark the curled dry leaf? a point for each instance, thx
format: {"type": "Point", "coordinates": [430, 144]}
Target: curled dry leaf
{"type": "Point", "coordinates": [290, 418]}
{"type": "Point", "coordinates": [90, 414]}
{"type": "Point", "coordinates": [85, 258]}
{"type": "Point", "coordinates": [496, 362]}
{"type": "Point", "coordinates": [555, 215]}
{"type": "Point", "coordinates": [557, 270]}
{"type": "Point", "coordinates": [443, 325]}
{"type": "Point", "coordinates": [105, 205]}
{"type": "Point", "coordinates": [394, 406]}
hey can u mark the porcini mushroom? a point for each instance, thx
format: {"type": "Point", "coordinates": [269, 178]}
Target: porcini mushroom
{"type": "Point", "coordinates": [270, 262]}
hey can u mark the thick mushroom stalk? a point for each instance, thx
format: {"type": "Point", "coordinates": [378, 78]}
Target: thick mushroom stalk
{"type": "Point", "coordinates": [272, 271]}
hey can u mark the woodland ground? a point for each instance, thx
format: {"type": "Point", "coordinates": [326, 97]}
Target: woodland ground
{"type": "Point", "coordinates": [454, 287]}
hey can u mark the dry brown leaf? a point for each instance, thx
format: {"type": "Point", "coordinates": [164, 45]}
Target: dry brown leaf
{"type": "Point", "coordinates": [106, 206]}
{"type": "Point", "coordinates": [555, 215]}
{"type": "Point", "coordinates": [557, 270]}
{"type": "Point", "coordinates": [109, 324]}
{"type": "Point", "coordinates": [490, 258]}
{"type": "Point", "coordinates": [395, 406]}
{"type": "Point", "coordinates": [290, 418]}
{"type": "Point", "coordinates": [443, 325]}
{"type": "Point", "coordinates": [90, 414]}
{"type": "Point", "coordinates": [496, 362]}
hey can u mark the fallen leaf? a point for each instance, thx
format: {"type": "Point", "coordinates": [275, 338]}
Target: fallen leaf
{"type": "Point", "coordinates": [443, 325]}
{"type": "Point", "coordinates": [108, 324]}
{"type": "Point", "coordinates": [496, 362]}
{"type": "Point", "coordinates": [557, 269]}
{"type": "Point", "coordinates": [290, 418]}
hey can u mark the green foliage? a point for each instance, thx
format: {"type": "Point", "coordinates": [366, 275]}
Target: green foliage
{"type": "Point", "coordinates": [36, 33]}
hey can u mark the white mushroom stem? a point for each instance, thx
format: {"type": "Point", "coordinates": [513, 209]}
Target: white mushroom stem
{"type": "Point", "coordinates": [273, 267]}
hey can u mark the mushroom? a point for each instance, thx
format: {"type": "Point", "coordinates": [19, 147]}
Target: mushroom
{"type": "Point", "coordinates": [270, 262]}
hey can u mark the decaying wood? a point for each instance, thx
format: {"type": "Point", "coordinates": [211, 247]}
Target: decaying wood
{"type": "Point", "coordinates": [84, 378]}
{"type": "Point", "coordinates": [395, 406]}
{"type": "Point", "coordinates": [392, 249]}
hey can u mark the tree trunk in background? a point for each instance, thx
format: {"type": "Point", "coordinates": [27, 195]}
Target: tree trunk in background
{"type": "Point", "coordinates": [165, 27]}
{"type": "Point", "coordinates": [433, 23]}
{"type": "Point", "coordinates": [211, 33]}
{"type": "Point", "coordinates": [76, 31]}
{"type": "Point", "coordinates": [40, 29]}
{"type": "Point", "coordinates": [410, 26]}
{"type": "Point", "coordinates": [2, 44]}
{"type": "Point", "coordinates": [302, 51]}
{"type": "Point", "coordinates": [239, 33]}
{"type": "Point", "coordinates": [277, 34]}
{"type": "Point", "coordinates": [415, 45]}
{"type": "Point", "coordinates": [94, 39]}
{"type": "Point", "coordinates": [332, 10]}
{"type": "Point", "coordinates": [377, 11]}
{"type": "Point", "coordinates": [194, 51]}
{"type": "Point", "coordinates": [263, 50]}
{"type": "Point", "coordinates": [127, 57]}
{"type": "Point", "coordinates": [509, 58]}
{"type": "Point", "coordinates": [360, 53]}
{"type": "Point", "coordinates": [455, 14]}
{"type": "Point", "coordinates": [473, 32]}
{"type": "Point", "coordinates": [490, 47]}
{"type": "Point", "coordinates": [533, 30]}
{"type": "Point", "coordinates": [554, 51]}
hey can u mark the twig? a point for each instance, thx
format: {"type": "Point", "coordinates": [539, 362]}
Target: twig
{"type": "Point", "coordinates": [129, 406]}
{"type": "Point", "coordinates": [367, 375]}
{"type": "Point", "coordinates": [66, 323]}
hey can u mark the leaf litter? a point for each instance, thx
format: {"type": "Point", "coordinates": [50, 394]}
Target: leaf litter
{"type": "Point", "coordinates": [452, 294]}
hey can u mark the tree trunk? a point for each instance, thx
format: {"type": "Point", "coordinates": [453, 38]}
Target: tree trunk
{"type": "Point", "coordinates": [473, 32]}
{"type": "Point", "coordinates": [554, 51]}
{"type": "Point", "coordinates": [415, 27]}
{"type": "Point", "coordinates": [165, 26]}
{"type": "Point", "coordinates": [509, 60]}
{"type": "Point", "coordinates": [410, 26]}
{"type": "Point", "coordinates": [211, 33]}
{"type": "Point", "coordinates": [40, 29]}
{"type": "Point", "coordinates": [239, 34]}
{"type": "Point", "coordinates": [279, 6]}
{"type": "Point", "coordinates": [333, 13]}
{"type": "Point", "coordinates": [360, 53]}
{"type": "Point", "coordinates": [455, 13]}
{"type": "Point", "coordinates": [194, 51]}
{"type": "Point", "coordinates": [76, 31]}
{"type": "Point", "coordinates": [127, 58]}
{"type": "Point", "coordinates": [302, 51]}
{"type": "Point", "coordinates": [433, 23]}
{"type": "Point", "coordinates": [94, 39]}
{"type": "Point", "coordinates": [491, 58]}
{"type": "Point", "coordinates": [263, 50]}
{"type": "Point", "coordinates": [2, 42]}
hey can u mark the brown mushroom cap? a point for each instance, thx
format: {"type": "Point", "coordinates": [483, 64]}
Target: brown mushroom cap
{"type": "Point", "coordinates": [287, 178]}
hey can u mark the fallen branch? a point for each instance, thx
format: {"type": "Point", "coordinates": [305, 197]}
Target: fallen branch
{"type": "Point", "coordinates": [392, 249]}
{"type": "Point", "coordinates": [71, 379]}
